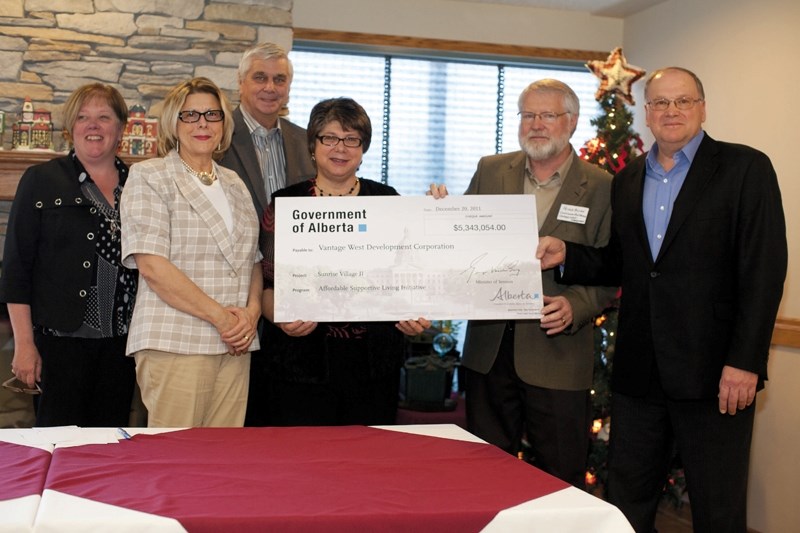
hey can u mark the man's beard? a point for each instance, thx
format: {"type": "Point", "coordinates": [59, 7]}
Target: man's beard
{"type": "Point", "coordinates": [539, 151]}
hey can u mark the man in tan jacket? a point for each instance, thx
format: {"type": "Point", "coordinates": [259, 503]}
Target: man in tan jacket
{"type": "Point", "coordinates": [532, 377]}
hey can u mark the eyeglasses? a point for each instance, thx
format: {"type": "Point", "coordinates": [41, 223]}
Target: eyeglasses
{"type": "Point", "coordinates": [333, 140]}
{"type": "Point", "coordinates": [16, 385]}
{"type": "Point", "coordinates": [683, 103]}
{"type": "Point", "coordinates": [212, 115]}
{"type": "Point", "coordinates": [548, 117]}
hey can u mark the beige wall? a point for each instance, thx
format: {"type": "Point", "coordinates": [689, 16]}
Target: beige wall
{"type": "Point", "coordinates": [462, 21]}
{"type": "Point", "coordinates": [745, 52]}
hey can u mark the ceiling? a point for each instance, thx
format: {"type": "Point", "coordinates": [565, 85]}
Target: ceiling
{"type": "Point", "coordinates": [604, 8]}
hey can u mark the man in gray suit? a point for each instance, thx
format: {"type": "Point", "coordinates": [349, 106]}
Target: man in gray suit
{"type": "Point", "coordinates": [532, 378]}
{"type": "Point", "coordinates": [268, 153]}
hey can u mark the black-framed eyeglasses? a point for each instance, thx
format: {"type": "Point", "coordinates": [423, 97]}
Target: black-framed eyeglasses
{"type": "Point", "coordinates": [16, 385]}
{"type": "Point", "coordinates": [333, 140]}
{"type": "Point", "coordinates": [190, 115]}
{"type": "Point", "coordinates": [548, 117]}
{"type": "Point", "coordinates": [684, 103]}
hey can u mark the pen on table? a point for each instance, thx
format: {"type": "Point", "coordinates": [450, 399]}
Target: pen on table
{"type": "Point", "coordinates": [124, 434]}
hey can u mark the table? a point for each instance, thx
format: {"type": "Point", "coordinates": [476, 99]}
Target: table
{"type": "Point", "coordinates": [302, 479]}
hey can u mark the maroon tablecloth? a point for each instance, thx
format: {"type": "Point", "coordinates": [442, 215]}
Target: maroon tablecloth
{"type": "Point", "coordinates": [340, 479]}
{"type": "Point", "coordinates": [22, 470]}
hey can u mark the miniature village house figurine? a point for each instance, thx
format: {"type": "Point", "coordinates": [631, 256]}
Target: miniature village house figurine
{"type": "Point", "coordinates": [34, 130]}
{"type": "Point", "coordinates": [139, 137]}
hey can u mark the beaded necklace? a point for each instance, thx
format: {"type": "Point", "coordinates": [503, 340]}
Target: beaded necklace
{"type": "Point", "coordinates": [323, 193]}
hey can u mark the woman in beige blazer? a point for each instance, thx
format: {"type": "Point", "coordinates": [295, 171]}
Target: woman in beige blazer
{"type": "Point", "coordinates": [191, 229]}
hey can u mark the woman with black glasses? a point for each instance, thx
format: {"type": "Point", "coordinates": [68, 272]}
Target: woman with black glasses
{"type": "Point", "coordinates": [192, 231]}
{"type": "Point", "coordinates": [333, 373]}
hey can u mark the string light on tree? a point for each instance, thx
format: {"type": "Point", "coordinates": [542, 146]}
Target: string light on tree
{"type": "Point", "coordinates": [614, 146]}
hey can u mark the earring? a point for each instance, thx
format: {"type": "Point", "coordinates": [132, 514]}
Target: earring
{"type": "Point", "coordinates": [219, 147]}
{"type": "Point", "coordinates": [178, 145]}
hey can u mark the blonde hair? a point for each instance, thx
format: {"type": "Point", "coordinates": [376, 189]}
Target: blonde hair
{"type": "Point", "coordinates": [173, 102]}
{"type": "Point", "coordinates": [85, 93]}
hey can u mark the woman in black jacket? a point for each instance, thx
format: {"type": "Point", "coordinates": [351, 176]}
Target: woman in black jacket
{"type": "Point", "coordinates": [69, 298]}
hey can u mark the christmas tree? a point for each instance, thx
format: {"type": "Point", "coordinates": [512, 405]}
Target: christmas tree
{"type": "Point", "coordinates": [616, 143]}
{"type": "Point", "coordinates": [614, 146]}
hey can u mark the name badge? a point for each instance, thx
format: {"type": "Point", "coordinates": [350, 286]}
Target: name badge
{"type": "Point", "coordinates": [573, 213]}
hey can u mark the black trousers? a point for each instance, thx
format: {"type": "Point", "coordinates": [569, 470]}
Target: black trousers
{"type": "Point", "coordinates": [368, 403]}
{"type": "Point", "coordinates": [714, 449]}
{"type": "Point", "coordinates": [85, 382]}
{"type": "Point", "coordinates": [556, 423]}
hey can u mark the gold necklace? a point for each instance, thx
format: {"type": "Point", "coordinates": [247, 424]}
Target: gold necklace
{"type": "Point", "coordinates": [206, 178]}
{"type": "Point", "coordinates": [323, 193]}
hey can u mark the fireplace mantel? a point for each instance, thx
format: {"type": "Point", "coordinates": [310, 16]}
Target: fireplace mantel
{"type": "Point", "coordinates": [13, 164]}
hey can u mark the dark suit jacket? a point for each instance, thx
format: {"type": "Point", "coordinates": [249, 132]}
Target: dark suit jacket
{"type": "Point", "coordinates": [711, 296]}
{"type": "Point", "coordinates": [564, 361]}
{"type": "Point", "coordinates": [241, 157]}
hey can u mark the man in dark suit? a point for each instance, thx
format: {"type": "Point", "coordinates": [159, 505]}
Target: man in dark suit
{"type": "Point", "coordinates": [527, 376]}
{"type": "Point", "coordinates": [698, 244]}
{"type": "Point", "coordinates": [269, 153]}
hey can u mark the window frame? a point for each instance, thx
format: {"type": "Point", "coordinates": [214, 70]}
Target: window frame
{"type": "Point", "coordinates": [393, 48]}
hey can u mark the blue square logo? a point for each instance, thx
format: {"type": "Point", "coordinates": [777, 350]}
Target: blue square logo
{"type": "Point", "coordinates": [362, 228]}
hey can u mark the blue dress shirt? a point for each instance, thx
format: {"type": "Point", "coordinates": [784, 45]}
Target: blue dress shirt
{"type": "Point", "coordinates": [661, 188]}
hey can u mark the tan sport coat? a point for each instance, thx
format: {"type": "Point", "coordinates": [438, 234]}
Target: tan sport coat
{"type": "Point", "coordinates": [165, 212]}
{"type": "Point", "coordinates": [564, 361]}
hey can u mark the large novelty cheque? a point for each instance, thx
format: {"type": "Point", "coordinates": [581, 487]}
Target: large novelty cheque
{"type": "Point", "coordinates": [392, 258]}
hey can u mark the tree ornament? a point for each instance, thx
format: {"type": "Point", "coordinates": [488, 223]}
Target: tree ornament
{"type": "Point", "coordinates": [616, 75]}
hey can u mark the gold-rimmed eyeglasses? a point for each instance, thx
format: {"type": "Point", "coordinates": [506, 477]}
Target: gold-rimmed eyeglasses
{"type": "Point", "coordinates": [16, 385]}
{"type": "Point", "coordinates": [684, 103]}
{"type": "Point", "coordinates": [548, 117]}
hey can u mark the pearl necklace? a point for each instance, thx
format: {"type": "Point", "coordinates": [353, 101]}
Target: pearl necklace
{"type": "Point", "coordinates": [323, 193]}
{"type": "Point", "coordinates": [206, 178]}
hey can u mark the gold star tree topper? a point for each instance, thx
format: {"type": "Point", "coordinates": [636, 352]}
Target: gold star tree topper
{"type": "Point", "coordinates": [616, 75]}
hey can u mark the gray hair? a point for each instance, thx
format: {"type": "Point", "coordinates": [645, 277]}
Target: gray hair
{"type": "Point", "coordinates": [571, 102]}
{"type": "Point", "coordinates": [263, 51]}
